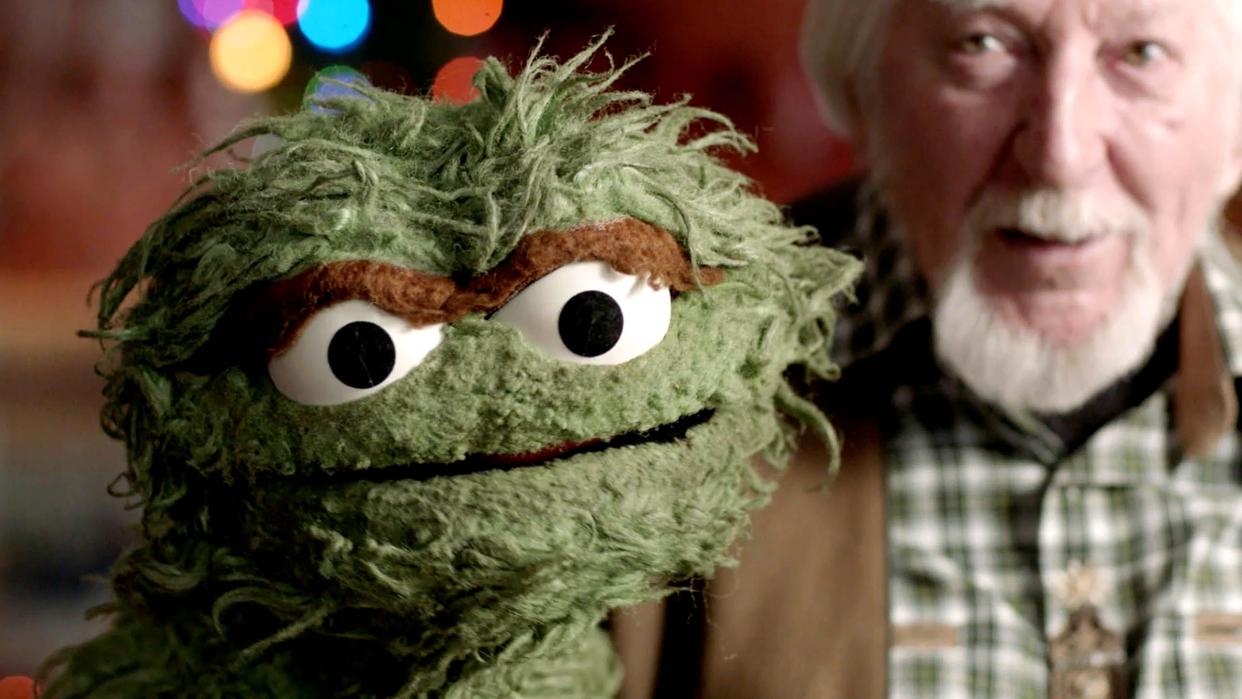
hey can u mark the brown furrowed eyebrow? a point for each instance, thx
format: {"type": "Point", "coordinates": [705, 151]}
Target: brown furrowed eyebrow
{"type": "Point", "coordinates": [628, 245]}
{"type": "Point", "coordinates": [280, 310]}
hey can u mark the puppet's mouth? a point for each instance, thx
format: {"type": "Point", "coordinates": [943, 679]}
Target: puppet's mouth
{"type": "Point", "coordinates": [478, 463]}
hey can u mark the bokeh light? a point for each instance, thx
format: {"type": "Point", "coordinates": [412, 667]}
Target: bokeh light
{"type": "Point", "coordinates": [286, 11]}
{"type": "Point", "coordinates": [191, 13]}
{"type": "Point", "coordinates": [467, 17]}
{"type": "Point", "coordinates": [326, 84]}
{"type": "Point", "coordinates": [17, 688]}
{"type": "Point", "coordinates": [209, 14]}
{"type": "Point", "coordinates": [335, 26]}
{"type": "Point", "coordinates": [251, 52]}
{"type": "Point", "coordinates": [454, 81]}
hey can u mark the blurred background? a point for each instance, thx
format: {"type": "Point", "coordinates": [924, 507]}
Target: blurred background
{"type": "Point", "coordinates": [101, 101]}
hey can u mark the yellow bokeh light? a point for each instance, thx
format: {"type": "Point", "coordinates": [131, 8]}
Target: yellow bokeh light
{"type": "Point", "coordinates": [251, 52]}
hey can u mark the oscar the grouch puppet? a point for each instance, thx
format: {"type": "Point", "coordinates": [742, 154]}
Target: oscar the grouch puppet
{"type": "Point", "coordinates": [416, 397]}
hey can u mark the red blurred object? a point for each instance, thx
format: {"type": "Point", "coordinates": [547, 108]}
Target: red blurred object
{"type": "Point", "coordinates": [745, 63]}
{"type": "Point", "coordinates": [738, 58]}
{"type": "Point", "coordinates": [453, 81]}
{"type": "Point", "coordinates": [17, 688]}
{"type": "Point", "coordinates": [286, 11]}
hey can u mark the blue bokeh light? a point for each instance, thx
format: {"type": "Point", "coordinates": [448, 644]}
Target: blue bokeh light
{"type": "Point", "coordinates": [335, 26]}
{"type": "Point", "coordinates": [319, 88]}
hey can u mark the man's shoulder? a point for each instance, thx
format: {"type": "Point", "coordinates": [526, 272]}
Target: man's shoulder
{"type": "Point", "coordinates": [832, 211]}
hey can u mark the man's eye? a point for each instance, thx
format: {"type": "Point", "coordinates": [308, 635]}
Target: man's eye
{"type": "Point", "coordinates": [980, 43]}
{"type": "Point", "coordinates": [1141, 54]}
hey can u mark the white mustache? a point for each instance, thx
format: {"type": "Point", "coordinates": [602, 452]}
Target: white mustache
{"type": "Point", "coordinates": [1066, 217]}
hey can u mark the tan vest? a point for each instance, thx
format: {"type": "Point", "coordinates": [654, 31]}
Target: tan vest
{"type": "Point", "coordinates": [805, 614]}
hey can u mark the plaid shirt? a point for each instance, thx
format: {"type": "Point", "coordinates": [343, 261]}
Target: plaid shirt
{"type": "Point", "coordinates": [994, 520]}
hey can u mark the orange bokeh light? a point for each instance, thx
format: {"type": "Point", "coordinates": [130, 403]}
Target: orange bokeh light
{"type": "Point", "coordinates": [17, 688]}
{"type": "Point", "coordinates": [454, 80]}
{"type": "Point", "coordinates": [467, 17]}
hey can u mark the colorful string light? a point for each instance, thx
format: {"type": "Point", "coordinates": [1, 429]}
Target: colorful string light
{"type": "Point", "coordinates": [455, 80]}
{"type": "Point", "coordinates": [335, 26]}
{"type": "Point", "coordinates": [212, 14]}
{"type": "Point", "coordinates": [209, 14]}
{"type": "Point", "coordinates": [467, 17]}
{"type": "Point", "coordinates": [326, 84]}
{"type": "Point", "coordinates": [251, 52]}
{"type": "Point", "coordinates": [17, 688]}
{"type": "Point", "coordinates": [285, 11]}
{"type": "Point", "coordinates": [191, 13]}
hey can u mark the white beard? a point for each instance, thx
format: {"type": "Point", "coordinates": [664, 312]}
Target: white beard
{"type": "Point", "coordinates": [1018, 369]}
{"type": "Point", "coordinates": [1014, 366]}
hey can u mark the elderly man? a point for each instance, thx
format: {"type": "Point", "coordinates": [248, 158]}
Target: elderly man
{"type": "Point", "coordinates": [1041, 493]}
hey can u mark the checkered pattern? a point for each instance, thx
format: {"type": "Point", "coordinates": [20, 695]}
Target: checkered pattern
{"type": "Point", "coordinates": [986, 517]}
{"type": "Point", "coordinates": [890, 293]}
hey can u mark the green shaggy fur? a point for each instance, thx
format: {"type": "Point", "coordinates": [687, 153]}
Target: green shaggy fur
{"type": "Point", "coordinates": [263, 572]}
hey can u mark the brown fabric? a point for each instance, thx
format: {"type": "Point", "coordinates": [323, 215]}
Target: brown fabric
{"type": "Point", "coordinates": [1218, 629]}
{"type": "Point", "coordinates": [804, 615]}
{"type": "Point", "coordinates": [636, 635]}
{"type": "Point", "coordinates": [628, 245]}
{"type": "Point", "coordinates": [1205, 406]}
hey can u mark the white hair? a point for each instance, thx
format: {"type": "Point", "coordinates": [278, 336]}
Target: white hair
{"type": "Point", "coordinates": [841, 42]}
{"type": "Point", "coordinates": [839, 39]}
{"type": "Point", "coordinates": [1002, 361]}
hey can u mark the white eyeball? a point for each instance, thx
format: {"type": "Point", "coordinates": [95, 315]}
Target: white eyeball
{"type": "Point", "coordinates": [348, 351]}
{"type": "Point", "coordinates": [589, 313]}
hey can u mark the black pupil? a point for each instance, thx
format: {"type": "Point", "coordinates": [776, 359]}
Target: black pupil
{"type": "Point", "coordinates": [590, 323]}
{"type": "Point", "coordinates": [361, 354]}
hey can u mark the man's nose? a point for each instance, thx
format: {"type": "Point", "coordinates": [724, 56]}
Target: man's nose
{"type": "Point", "coordinates": [1061, 138]}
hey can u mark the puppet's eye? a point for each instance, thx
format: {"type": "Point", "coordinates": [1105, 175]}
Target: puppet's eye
{"type": "Point", "coordinates": [589, 313]}
{"type": "Point", "coordinates": [348, 351]}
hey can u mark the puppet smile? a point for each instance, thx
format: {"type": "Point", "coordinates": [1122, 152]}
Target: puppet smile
{"type": "Point", "coordinates": [478, 463]}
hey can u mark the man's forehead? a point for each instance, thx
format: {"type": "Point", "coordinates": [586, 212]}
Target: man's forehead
{"type": "Point", "coordinates": [1129, 7]}
{"type": "Point", "coordinates": [972, 4]}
